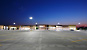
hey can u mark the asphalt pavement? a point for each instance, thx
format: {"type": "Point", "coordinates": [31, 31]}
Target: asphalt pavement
{"type": "Point", "coordinates": [43, 40]}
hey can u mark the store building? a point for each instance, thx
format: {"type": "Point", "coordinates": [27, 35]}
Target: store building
{"type": "Point", "coordinates": [33, 27]}
{"type": "Point", "coordinates": [13, 27]}
{"type": "Point", "coordinates": [24, 27]}
{"type": "Point", "coordinates": [42, 27]}
{"type": "Point", "coordinates": [72, 27]}
{"type": "Point", "coordinates": [65, 27]}
{"type": "Point", "coordinates": [59, 27]}
{"type": "Point", "coordinates": [5, 27]}
{"type": "Point", "coordinates": [52, 27]}
{"type": "Point", "coordinates": [39, 27]}
{"type": "Point", "coordinates": [1, 27]}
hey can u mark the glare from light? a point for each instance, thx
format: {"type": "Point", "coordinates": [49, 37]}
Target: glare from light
{"type": "Point", "coordinates": [30, 17]}
{"type": "Point", "coordinates": [77, 30]}
{"type": "Point", "coordinates": [73, 28]}
{"type": "Point", "coordinates": [58, 23]}
{"type": "Point", "coordinates": [41, 26]}
{"type": "Point", "coordinates": [13, 27]}
{"type": "Point", "coordinates": [35, 23]}
{"type": "Point", "coordinates": [26, 28]}
{"type": "Point", "coordinates": [14, 23]}
{"type": "Point", "coordinates": [79, 23]}
{"type": "Point", "coordinates": [4, 27]}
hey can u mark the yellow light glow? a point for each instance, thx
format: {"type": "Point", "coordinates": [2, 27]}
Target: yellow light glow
{"type": "Point", "coordinates": [30, 17]}
{"type": "Point", "coordinates": [41, 26]}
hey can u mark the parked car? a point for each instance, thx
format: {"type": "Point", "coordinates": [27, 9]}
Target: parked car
{"type": "Point", "coordinates": [71, 30]}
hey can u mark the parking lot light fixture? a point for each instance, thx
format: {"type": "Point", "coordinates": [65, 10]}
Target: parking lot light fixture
{"type": "Point", "coordinates": [58, 23]}
{"type": "Point", "coordinates": [79, 23]}
{"type": "Point", "coordinates": [14, 23]}
{"type": "Point", "coordinates": [35, 23]}
{"type": "Point", "coordinates": [31, 18]}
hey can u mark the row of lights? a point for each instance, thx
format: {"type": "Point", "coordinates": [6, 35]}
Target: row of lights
{"type": "Point", "coordinates": [36, 23]}
{"type": "Point", "coordinates": [78, 23]}
{"type": "Point", "coordinates": [15, 23]}
{"type": "Point", "coordinates": [29, 18]}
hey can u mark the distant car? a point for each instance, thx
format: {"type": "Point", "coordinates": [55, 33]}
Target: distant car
{"type": "Point", "coordinates": [71, 30]}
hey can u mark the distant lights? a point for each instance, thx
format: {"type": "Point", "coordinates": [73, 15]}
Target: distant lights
{"type": "Point", "coordinates": [35, 23]}
{"type": "Point", "coordinates": [30, 17]}
{"type": "Point", "coordinates": [79, 23]}
{"type": "Point", "coordinates": [58, 23]}
{"type": "Point", "coordinates": [14, 23]}
{"type": "Point", "coordinates": [41, 26]}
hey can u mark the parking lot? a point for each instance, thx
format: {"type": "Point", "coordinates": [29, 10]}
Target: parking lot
{"type": "Point", "coordinates": [43, 40]}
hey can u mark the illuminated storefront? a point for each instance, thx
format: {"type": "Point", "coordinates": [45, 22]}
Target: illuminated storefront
{"type": "Point", "coordinates": [73, 27]}
{"type": "Point", "coordinates": [24, 28]}
{"type": "Point", "coordinates": [66, 27]}
{"type": "Point", "coordinates": [38, 27]}
{"type": "Point", "coordinates": [13, 27]}
{"type": "Point", "coordinates": [42, 27]}
{"type": "Point", "coordinates": [58, 28]}
{"type": "Point", "coordinates": [52, 27]}
{"type": "Point", "coordinates": [1, 27]}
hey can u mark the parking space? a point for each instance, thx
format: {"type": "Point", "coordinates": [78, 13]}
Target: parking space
{"type": "Point", "coordinates": [43, 40]}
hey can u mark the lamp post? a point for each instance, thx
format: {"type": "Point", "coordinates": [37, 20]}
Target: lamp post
{"type": "Point", "coordinates": [58, 26]}
{"type": "Point", "coordinates": [79, 25]}
{"type": "Point", "coordinates": [36, 26]}
{"type": "Point", "coordinates": [31, 21]}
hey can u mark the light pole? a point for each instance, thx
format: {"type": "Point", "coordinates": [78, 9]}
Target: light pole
{"type": "Point", "coordinates": [31, 18]}
{"type": "Point", "coordinates": [79, 25]}
{"type": "Point", "coordinates": [31, 21]}
{"type": "Point", "coordinates": [36, 26]}
{"type": "Point", "coordinates": [58, 26]}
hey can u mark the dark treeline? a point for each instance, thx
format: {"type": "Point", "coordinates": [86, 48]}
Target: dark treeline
{"type": "Point", "coordinates": [82, 28]}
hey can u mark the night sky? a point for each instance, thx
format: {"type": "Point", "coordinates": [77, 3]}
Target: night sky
{"type": "Point", "coordinates": [43, 12]}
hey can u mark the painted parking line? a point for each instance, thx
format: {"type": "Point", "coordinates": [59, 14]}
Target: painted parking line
{"type": "Point", "coordinates": [31, 30]}
{"type": "Point", "coordinates": [0, 45]}
{"type": "Point", "coordinates": [79, 40]}
{"type": "Point", "coordinates": [85, 39]}
{"type": "Point", "coordinates": [7, 34]}
{"type": "Point", "coordinates": [7, 39]}
{"type": "Point", "coordinates": [4, 34]}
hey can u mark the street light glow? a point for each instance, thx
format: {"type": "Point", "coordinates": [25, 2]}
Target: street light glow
{"type": "Point", "coordinates": [79, 23]}
{"type": "Point", "coordinates": [30, 17]}
{"type": "Point", "coordinates": [35, 23]}
{"type": "Point", "coordinates": [14, 23]}
{"type": "Point", "coordinates": [58, 23]}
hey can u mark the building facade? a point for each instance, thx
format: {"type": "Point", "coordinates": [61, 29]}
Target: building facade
{"type": "Point", "coordinates": [38, 27]}
{"type": "Point", "coordinates": [52, 27]}
{"type": "Point", "coordinates": [66, 27]}
{"type": "Point", "coordinates": [24, 27]}
{"type": "Point", "coordinates": [1, 27]}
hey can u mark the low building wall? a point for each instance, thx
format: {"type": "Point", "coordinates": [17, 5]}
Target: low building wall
{"type": "Point", "coordinates": [72, 27]}
{"type": "Point", "coordinates": [24, 28]}
{"type": "Point", "coordinates": [51, 27]}
{"type": "Point", "coordinates": [1, 27]}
